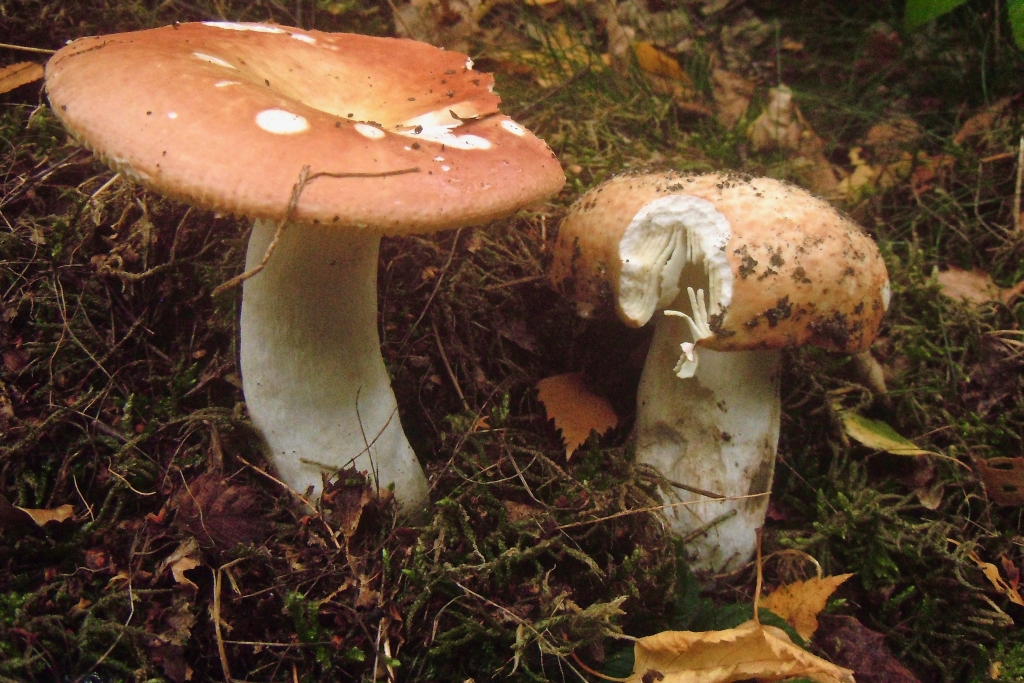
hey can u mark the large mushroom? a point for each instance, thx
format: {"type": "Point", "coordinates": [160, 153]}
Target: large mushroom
{"type": "Point", "coordinates": [328, 141]}
{"type": "Point", "coordinates": [732, 269]}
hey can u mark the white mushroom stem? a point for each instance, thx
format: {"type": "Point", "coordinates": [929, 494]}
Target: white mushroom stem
{"type": "Point", "coordinates": [314, 380]}
{"type": "Point", "coordinates": [716, 430]}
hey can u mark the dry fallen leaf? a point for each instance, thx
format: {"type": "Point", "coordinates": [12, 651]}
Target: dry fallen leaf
{"type": "Point", "coordinates": [218, 512]}
{"type": "Point", "coordinates": [849, 643]}
{"type": "Point", "coordinates": [17, 75]}
{"type": "Point", "coordinates": [42, 517]}
{"type": "Point", "coordinates": [991, 573]}
{"type": "Point", "coordinates": [782, 126]}
{"type": "Point", "coordinates": [976, 286]}
{"type": "Point", "coordinates": [732, 94]}
{"type": "Point", "coordinates": [1003, 479]}
{"type": "Point", "coordinates": [799, 603]}
{"type": "Point", "coordinates": [185, 557]}
{"type": "Point", "coordinates": [654, 61]}
{"type": "Point", "coordinates": [575, 409]}
{"type": "Point", "coordinates": [748, 651]}
{"type": "Point", "coordinates": [982, 122]}
{"type": "Point", "coordinates": [878, 435]}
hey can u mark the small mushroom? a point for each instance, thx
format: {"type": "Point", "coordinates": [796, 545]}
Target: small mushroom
{"type": "Point", "coordinates": [732, 269]}
{"type": "Point", "coordinates": [391, 137]}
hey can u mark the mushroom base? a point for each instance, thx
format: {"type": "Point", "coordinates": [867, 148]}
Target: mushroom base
{"type": "Point", "coordinates": [717, 431]}
{"type": "Point", "coordinates": [314, 380]}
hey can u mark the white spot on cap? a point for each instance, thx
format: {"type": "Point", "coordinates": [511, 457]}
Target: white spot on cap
{"type": "Point", "coordinates": [235, 26]}
{"type": "Point", "coordinates": [446, 168]}
{"type": "Point", "coordinates": [513, 127]}
{"type": "Point", "coordinates": [172, 114]}
{"type": "Point", "coordinates": [213, 60]}
{"type": "Point", "coordinates": [444, 135]}
{"type": "Point", "coordinates": [304, 38]}
{"type": "Point", "coordinates": [221, 84]}
{"type": "Point", "coordinates": [281, 122]}
{"type": "Point", "coordinates": [438, 158]}
{"type": "Point", "coordinates": [469, 63]}
{"type": "Point", "coordinates": [369, 131]}
{"type": "Point", "coordinates": [886, 295]}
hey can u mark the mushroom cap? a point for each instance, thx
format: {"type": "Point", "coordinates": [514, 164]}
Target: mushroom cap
{"type": "Point", "coordinates": [226, 115]}
{"type": "Point", "coordinates": [800, 271]}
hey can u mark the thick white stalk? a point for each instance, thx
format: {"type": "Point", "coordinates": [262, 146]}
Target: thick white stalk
{"type": "Point", "coordinates": [717, 431]}
{"type": "Point", "coordinates": [312, 373]}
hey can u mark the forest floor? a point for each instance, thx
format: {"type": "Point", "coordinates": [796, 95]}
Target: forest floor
{"type": "Point", "coordinates": [182, 558]}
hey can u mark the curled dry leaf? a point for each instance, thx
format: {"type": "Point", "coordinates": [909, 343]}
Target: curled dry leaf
{"type": "Point", "coordinates": [782, 126]}
{"type": "Point", "coordinates": [13, 517]}
{"type": "Point", "coordinates": [732, 94]}
{"type": "Point", "coordinates": [799, 603]}
{"type": "Point", "coordinates": [1003, 479]}
{"type": "Point", "coordinates": [976, 286]}
{"type": "Point", "coordinates": [184, 557]}
{"type": "Point", "coordinates": [17, 75]}
{"type": "Point", "coordinates": [748, 651]}
{"type": "Point", "coordinates": [991, 573]}
{"type": "Point", "coordinates": [575, 409]}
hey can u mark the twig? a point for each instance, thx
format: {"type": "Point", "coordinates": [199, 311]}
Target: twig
{"type": "Point", "coordinates": [757, 587]}
{"type": "Point", "coordinates": [697, 533]}
{"type": "Point", "coordinates": [1020, 177]}
{"type": "Point", "coordinates": [694, 489]}
{"type": "Point", "coordinates": [448, 368]}
{"type": "Point", "coordinates": [297, 188]}
{"type": "Point", "coordinates": [590, 671]}
{"type": "Point", "coordinates": [221, 650]}
{"type": "Point", "coordinates": [25, 48]}
{"type": "Point", "coordinates": [513, 283]}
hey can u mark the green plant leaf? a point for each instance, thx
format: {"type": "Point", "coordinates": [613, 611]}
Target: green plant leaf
{"type": "Point", "coordinates": [878, 435]}
{"type": "Point", "coordinates": [1015, 11]}
{"type": "Point", "coordinates": [920, 12]}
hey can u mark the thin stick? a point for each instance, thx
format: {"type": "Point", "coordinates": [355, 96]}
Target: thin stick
{"type": "Point", "coordinates": [757, 588]}
{"type": "Point", "coordinates": [590, 671]}
{"type": "Point", "coordinates": [513, 283]}
{"type": "Point", "coordinates": [297, 188]}
{"type": "Point", "coordinates": [222, 651]}
{"type": "Point", "coordinates": [694, 489]}
{"type": "Point", "coordinates": [697, 533]}
{"type": "Point", "coordinates": [24, 48]}
{"type": "Point", "coordinates": [1020, 177]}
{"type": "Point", "coordinates": [448, 367]}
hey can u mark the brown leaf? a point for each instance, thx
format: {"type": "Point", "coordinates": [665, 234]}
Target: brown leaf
{"type": "Point", "coordinates": [991, 573]}
{"type": "Point", "coordinates": [217, 511]}
{"type": "Point", "coordinates": [983, 121]}
{"type": "Point", "coordinates": [13, 517]}
{"type": "Point", "coordinates": [575, 409]}
{"type": "Point", "coordinates": [654, 61]}
{"type": "Point", "coordinates": [976, 286]}
{"type": "Point", "coordinates": [17, 75]}
{"type": "Point", "coordinates": [345, 498]}
{"type": "Point", "coordinates": [42, 517]}
{"type": "Point", "coordinates": [1003, 479]}
{"type": "Point", "coordinates": [747, 651]}
{"type": "Point", "coordinates": [184, 558]}
{"type": "Point", "coordinates": [849, 643]}
{"type": "Point", "coordinates": [732, 94]}
{"type": "Point", "coordinates": [799, 603]}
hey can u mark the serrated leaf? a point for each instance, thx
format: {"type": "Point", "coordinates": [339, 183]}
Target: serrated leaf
{"type": "Point", "coordinates": [878, 435]}
{"type": "Point", "coordinates": [800, 602]}
{"type": "Point", "coordinates": [576, 409]}
{"type": "Point", "coordinates": [920, 12]}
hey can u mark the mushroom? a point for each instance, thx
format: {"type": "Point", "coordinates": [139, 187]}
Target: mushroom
{"type": "Point", "coordinates": [732, 269]}
{"type": "Point", "coordinates": [328, 141]}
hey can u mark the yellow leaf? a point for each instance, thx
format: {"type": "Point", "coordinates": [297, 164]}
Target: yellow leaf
{"type": "Point", "coordinates": [185, 557]}
{"type": "Point", "coordinates": [878, 435]}
{"type": "Point", "coordinates": [747, 651]}
{"type": "Point", "coordinates": [42, 517]}
{"type": "Point", "coordinates": [575, 409]}
{"type": "Point", "coordinates": [17, 75]}
{"type": "Point", "coordinates": [991, 573]}
{"type": "Point", "coordinates": [799, 603]}
{"type": "Point", "coordinates": [654, 61]}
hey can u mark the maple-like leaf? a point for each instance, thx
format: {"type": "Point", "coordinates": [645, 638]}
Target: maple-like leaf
{"type": "Point", "coordinates": [748, 651]}
{"type": "Point", "coordinates": [800, 602]}
{"type": "Point", "coordinates": [575, 409]}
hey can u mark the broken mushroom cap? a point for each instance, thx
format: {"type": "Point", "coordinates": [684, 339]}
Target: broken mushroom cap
{"type": "Point", "coordinates": [781, 267]}
{"type": "Point", "coordinates": [225, 116]}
